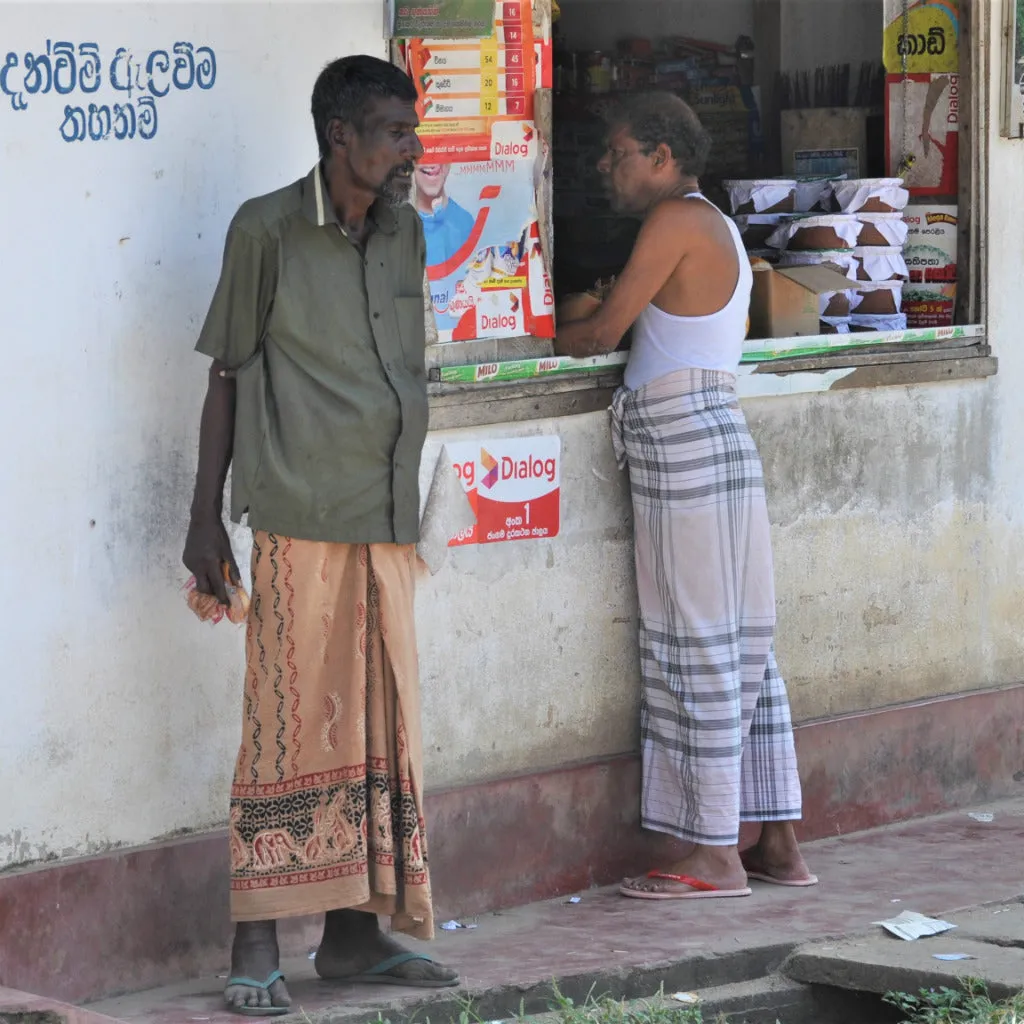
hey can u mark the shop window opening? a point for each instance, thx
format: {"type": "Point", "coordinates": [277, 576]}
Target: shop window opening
{"type": "Point", "coordinates": [839, 142]}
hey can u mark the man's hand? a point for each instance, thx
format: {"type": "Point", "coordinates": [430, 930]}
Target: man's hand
{"type": "Point", "coordinates": [577, 307]}
{"type": "Point", "coordinates": [207, 551]}
{"type": "Point", "coordinates": [207, 548]}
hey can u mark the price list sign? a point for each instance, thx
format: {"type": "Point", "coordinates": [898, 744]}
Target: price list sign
{"type": "Point", "coordinates": [467, 86]}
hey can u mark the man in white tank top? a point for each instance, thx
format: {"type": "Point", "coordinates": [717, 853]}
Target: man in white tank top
{"type": "Point", "coordinates": [716, 732]}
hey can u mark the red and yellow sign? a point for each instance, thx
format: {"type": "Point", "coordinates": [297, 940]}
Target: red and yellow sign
{"type": "Point", "coordinates": [467, 86]}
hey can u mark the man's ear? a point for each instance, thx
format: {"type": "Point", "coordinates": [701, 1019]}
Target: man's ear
{"type": "Point", "coordinates": [338, 133]}
{"type": "Point", "coordinates": [662, 156]}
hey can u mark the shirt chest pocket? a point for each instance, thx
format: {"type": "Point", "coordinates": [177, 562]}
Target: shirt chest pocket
{"type": "Point", "coordinates": [409, 313]}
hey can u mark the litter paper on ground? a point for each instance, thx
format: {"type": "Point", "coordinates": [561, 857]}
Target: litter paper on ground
{"type": "Point", "coordinates": [950, 957]}
{"type": "Point", "coordinates": [685, 997]}
{"type": "Point", "coordinates": [910, 925]}
{"type": "Point", "coordinates": [981, 816]}
{"type": "Point", "coordinates": [454, 926]}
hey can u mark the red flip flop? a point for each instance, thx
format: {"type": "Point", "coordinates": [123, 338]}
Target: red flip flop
{"type": "Point", "coordinates": [698, 890]}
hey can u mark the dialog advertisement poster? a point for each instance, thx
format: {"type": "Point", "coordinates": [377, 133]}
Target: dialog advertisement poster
{"type": "Point", "coordinates": [929, 305]}
{"type": "Point", "coordinates": [476, 185]}
{"type": "Point", "coordinates": [514, 486]}
{"type": "Point", "coordinates": [931, 248]}
{"type": "Point", "coordinates": [923, 144]}
{"type": "Point", "coordinates": [485, 266]}
{"type": "Point", "coordinates": [929, 297]}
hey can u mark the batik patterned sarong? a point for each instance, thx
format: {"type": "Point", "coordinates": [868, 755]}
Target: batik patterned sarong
{"type": "Point", "coordinates": [327, 799]}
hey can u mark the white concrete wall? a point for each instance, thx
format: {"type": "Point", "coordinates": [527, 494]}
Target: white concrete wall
{"type": "Point", "coordinates": [119, 713]}
{"type": "Point", "coordinates": [897, 512]}
{"type": "Point", "coordinates": [548, 673]}
{"type": "Point", "coordinates": [820, 33]}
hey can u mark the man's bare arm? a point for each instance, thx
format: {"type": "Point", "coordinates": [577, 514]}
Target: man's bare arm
{"type": "Point", "coordinates": [207, 546]}
{"type": "Point", "coordinates": [659, 248]}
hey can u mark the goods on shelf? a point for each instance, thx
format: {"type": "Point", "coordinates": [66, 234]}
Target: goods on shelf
{"type": "Point", "coordinates": [863, 243]}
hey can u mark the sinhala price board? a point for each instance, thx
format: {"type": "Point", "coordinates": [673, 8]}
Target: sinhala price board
{"type": "Point", "coordinates": [514, 486]}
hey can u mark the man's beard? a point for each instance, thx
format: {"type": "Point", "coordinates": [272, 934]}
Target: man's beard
{"type": "Point", "coordinates": [395, 190]}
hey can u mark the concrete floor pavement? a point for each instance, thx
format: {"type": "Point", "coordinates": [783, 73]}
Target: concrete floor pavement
{"type": "Point", "coordinates": [627, 948]}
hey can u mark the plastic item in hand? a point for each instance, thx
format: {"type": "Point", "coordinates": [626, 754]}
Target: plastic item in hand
{"type": "Point", "coordinates": [208, 609]}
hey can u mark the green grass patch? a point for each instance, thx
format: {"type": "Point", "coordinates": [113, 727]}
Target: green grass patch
{"type": "Point", "coordinates": [969, 1004]}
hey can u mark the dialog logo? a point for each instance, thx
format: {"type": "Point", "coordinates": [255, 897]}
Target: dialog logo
{"type": "Point", "coordinates": [490, 464]}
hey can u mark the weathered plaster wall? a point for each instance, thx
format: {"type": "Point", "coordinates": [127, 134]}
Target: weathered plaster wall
{"type": "Point", "coordinates": [895, 569]}
{"type": "Point", "coordinates": [529, 649]}
{"type": "Point", "coordinates": [119, 712]}
{"type": "Point", "coordinates": [897, 511]}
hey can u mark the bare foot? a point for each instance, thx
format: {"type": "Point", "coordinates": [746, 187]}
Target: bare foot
{"type": "Point", "coordinates": [353, 944]}
{"type": "Point", "coordinates": [777, 856]}
{"type": "Point", "coordinates": [717, 866]}
{"type": "Point", "coordinates": [254, 955]}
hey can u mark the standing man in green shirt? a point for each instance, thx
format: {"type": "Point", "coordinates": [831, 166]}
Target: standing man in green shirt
{"type": "Point", "coordinates": [317, 400]}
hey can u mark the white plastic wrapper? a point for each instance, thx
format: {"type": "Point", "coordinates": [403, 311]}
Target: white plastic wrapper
{"type": "Point", "coordinates": [764, 195]}
{"type": "Point", "coordinates": [842, 258]}
{"type": "Point", "coordinates": [446, 512]}
{"type": "Point", "coordinates": [853, 196]}
{"type": "Point", "coordinates": [881, 264]}
{"type": "Point", "coordinates": [892, 227]}
{"type": "Point", "coordinates": [911, 925]}
{"type": "Point", "coordinates": [840, 323]}
{"type": "Point", "coordinates": [895, 322]}
{"type": "Point", "coordinates": [846, 227]}
{"type": "Point", "coordinates": [811, 193]}
{"type": "Point", "coordinates": [745, 221]}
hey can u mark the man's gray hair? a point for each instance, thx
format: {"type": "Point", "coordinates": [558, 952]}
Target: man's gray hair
{"type": "Point", "coordinates": [662, 118]}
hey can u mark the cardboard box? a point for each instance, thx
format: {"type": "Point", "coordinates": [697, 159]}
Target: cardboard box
{"type": "Point", "coordinates": [922, 144]}
{"type": "Point", "coordinates": [787, 303]}
{"type": "Point", "coordinates": [927, 43]}
{"type": "Point", "coordinates": [829, 141]}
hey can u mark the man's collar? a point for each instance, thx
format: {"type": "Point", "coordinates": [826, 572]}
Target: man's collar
{"type": "Point", "coordinates": [319, 211]}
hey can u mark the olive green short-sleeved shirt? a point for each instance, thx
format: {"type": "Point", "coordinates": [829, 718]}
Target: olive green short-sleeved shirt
{"type": "Point", "coordinates": [328, 343]}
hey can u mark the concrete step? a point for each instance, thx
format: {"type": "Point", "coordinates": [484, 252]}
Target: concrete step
{"type": "Point", "coordinates": [768, 1000]}
{"type": "Point", "coordinates": [992, 935]}
{"type": "Point", "coordinates": [700, 972]}
{"type": "Point", "coordinates": [778, 999]}
{"type": "Point", "coordinates": [26, 1008]}
{"type": "Point", "coordinates": [629, 947]}
{"type": "Point", "coordinates": [1000, 924]}
{"type": "Point", "coordinates": [763, 1001]}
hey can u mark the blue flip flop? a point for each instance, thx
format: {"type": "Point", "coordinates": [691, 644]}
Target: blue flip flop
{"type": "Point", "coordinates": [258, 1011]}
{"type": "Point", "coordinates": [379, 975]}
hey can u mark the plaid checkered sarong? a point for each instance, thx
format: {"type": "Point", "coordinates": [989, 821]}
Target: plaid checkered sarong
{"type": "Point", "coordinates": [715, 723]}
